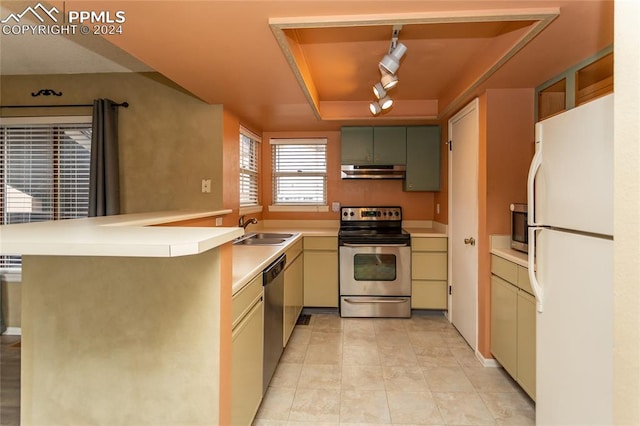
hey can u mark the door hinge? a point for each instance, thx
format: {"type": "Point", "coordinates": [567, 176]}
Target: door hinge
{"type": "Point", "coordinates": [450, 145]}
{"type": "Point", "coordinates": [450, 290]}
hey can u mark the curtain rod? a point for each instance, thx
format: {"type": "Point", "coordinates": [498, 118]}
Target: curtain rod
{"type": "Point", "coordinates": [123, 104]}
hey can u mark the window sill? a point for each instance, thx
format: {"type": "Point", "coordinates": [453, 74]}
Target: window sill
{"type": "Point", "coordinates": [299, 208]}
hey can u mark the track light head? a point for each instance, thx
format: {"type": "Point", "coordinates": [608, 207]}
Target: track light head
{"type": "Point", "coordinates": [374, 107]}
{"type": "Point", "coordinates": [385, 103]}
{"type": "Point", "coordinates": [388, 80]}
{"type": "Point", "coordinates": [379, 91]}
{"type": "Point", "coordinates": [391, 61]}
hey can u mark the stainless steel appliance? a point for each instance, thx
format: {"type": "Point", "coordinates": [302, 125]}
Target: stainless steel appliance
{"type": "Point", "coordinates": [375, 263]}
{"type": "Point", "coordinates": [273, 282]}
{"type": "Point", "coordinates": [519, 227]}
{"type": "Point", "coordinates": [375, 171]}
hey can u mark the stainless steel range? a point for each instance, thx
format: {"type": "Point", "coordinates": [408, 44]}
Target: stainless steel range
{"type": "Point", "coordinates": [375, 263]}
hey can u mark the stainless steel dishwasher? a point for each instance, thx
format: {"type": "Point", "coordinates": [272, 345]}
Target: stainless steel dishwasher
{"type": "Point", "coordinates": [273, 282]}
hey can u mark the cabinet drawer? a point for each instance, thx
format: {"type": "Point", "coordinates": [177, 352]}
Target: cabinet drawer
{"type": "Point", "coordinates": [243, 300]}
{"type": "Point", "coordinates": [293, 252]}
{"type": "Point", "coordinates": [504, 269]}
{"type": "Point", "coordinates": [429, 266]}
{"type": "Point", "coordinates": [523, 279]}
{"type": "Point", "coordinates": [429, 294]}
{"type": "Point", "coordinates": [321, 243]}
{"type": "Point", "coordinates": [429, 244]}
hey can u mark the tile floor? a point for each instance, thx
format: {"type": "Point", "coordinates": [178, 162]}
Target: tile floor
{"type": "Point", "coordinates": [350, 371]}
{"type": "Point", "coordinates": [420, 371]}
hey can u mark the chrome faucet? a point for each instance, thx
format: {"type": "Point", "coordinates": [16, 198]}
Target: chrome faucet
{"type": "Point", "coordinates": [249, 221]}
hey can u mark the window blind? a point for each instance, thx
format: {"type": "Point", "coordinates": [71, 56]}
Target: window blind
{"type": "Point", "coordinates": [249, 161]}
{"type": "Point", "coordinates": [299, 171]}
{"type": "Point", "coordinates": [44, 173]}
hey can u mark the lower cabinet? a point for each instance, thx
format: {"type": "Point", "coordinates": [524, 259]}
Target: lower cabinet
{"type": "Point", "coordinates": [429, 273]}
{"type": "Point", "coordinates": [246, 349]}
{"type": "Point", "coordinates": [513, 322]}
{"type": "Point", "coordinates": [321, 272]}
{"type": "Point", "coordinates": [293, 289]}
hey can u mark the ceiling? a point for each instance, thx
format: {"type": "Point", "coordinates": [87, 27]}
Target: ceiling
{"type": "Point", "coordinates": [310, 65]}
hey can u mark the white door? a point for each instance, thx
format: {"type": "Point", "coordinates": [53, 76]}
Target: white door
{"type": "Point", "coordinates": [463, 221]}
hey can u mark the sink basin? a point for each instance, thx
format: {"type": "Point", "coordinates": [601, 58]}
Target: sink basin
{"type": "Point", "coordinates": [267, 235]}
{"type": "Point", "coordinates": [263, 239]}
{"type": "Point", "coordinates": [260, 241]}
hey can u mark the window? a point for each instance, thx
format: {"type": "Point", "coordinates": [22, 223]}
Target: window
{"type": "Point", "coordinates": [44, 171]}
{"type": "Point", "coordinates": [249, 160]}
{"type": "Point", "coordinates": [299, 172]}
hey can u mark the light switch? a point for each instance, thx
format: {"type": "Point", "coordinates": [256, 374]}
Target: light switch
{"type": "Point", "coordinates": [206, 185]}
{"type": "Point", "coordinates": [335, 206]}
{"type": "Point", "coordinates": [218, 221]}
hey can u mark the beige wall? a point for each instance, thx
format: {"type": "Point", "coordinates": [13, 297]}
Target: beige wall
{"type": "Point", "coordinates": [169, 140]}
{"type": "Point", "coordinates": [626, 356]}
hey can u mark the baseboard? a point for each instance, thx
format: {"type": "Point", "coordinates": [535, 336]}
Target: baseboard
{"type": "Point", "coordinates": [487, 362]}
{"type": "Point", "coordinates": [13, 331]}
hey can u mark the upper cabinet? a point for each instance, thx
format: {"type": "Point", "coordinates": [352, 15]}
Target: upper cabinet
{"type": "Point", "coordinates": [374, 145]}
{"type": "Point", "coordinates": [423, 159]}
{"type": "Point", "coordinates": [417, 147]}
{"type": "Point", "coordinates": [581, 83]}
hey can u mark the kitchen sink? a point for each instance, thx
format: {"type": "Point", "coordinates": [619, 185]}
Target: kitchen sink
{"type": "Point", "coordinates": [263, 239]}
{"type": "Point", "coordinates": [269, 235]}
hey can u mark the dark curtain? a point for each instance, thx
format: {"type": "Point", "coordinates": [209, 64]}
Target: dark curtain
{"type": "Point", "coordinates": [104, 183]}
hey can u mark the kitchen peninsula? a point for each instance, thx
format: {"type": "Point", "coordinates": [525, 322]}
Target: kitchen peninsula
{"type": "Point", "coordinates": [121, 319]}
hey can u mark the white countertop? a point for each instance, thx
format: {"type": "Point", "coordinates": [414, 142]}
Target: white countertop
{"type": "Point", "coordinates": [426, 232]}
{"type": "Point", "coordinates": [249, 261]}
{"type": "Point", "coordinates": [119, 235]}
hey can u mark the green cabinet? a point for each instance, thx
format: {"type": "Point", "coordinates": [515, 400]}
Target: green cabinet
{"type": "Point", "coordinates": [357, 145]}
{"type": "Point", "coordinates": [423, 159]}
{"type": "Point", "coordinates": [374, 145]}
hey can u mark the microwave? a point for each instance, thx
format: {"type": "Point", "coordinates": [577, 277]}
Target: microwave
{"type": "Point", "coordinates": [519, 234]}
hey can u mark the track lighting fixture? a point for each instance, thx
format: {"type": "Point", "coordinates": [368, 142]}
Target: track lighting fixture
{"type": "Point", "coordinates": [388, 67]}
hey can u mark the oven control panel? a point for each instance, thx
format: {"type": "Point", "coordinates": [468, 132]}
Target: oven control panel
{"type": "Point", "coordinates": [370, 213]}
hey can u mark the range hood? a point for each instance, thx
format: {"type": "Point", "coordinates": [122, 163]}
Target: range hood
{"type": "Point", "coordinates": [373, 171]}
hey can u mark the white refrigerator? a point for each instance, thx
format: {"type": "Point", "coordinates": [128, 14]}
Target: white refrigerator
{"type": "Point", "coordinates": [570, 201]}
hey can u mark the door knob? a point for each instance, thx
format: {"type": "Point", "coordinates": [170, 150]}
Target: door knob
{"type": "Point", "coordinates": [470, 241]}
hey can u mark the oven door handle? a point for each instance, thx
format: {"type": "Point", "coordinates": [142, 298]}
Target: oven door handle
{"type": "Point", "coordinates": [374, 245]}
{"type": "Point", "coordinates": [376, 300]}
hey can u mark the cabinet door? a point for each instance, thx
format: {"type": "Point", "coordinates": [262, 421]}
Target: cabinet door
{"type": "Point", "coordinates": [423, 159]}
{"type": "Point", "coordinates": [357, 145]}
{"type": "Point", "coordinates": [504, 305]}
{"type": "Point", "coordinates": [429, 266]}
{"type": "Point", "coordinates": [526, 375]}
{"type": "Point", "coordinates": [246, 368]}
{"type": "Point", "coordinates": [429, 294]}
{"type": "Point", "coordinates": [321, 278]}
{"type": "Point", "coordinates": [293, 296]}
{"type": "Point", "coordinates": [390, 145]}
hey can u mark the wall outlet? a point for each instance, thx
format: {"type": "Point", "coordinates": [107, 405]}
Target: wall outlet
{"type": "Point", "coordinates": [206, 185]}
{"type": "Point", "coordinates": [218, 221]}
{"type": "Point", "coordinates": [335, 206]}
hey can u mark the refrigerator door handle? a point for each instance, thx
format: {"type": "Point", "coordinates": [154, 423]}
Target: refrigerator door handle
{"type": "Point", "coordinates": [535, 284]}
{"type": "Point", "coordinates": [531, 180]}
